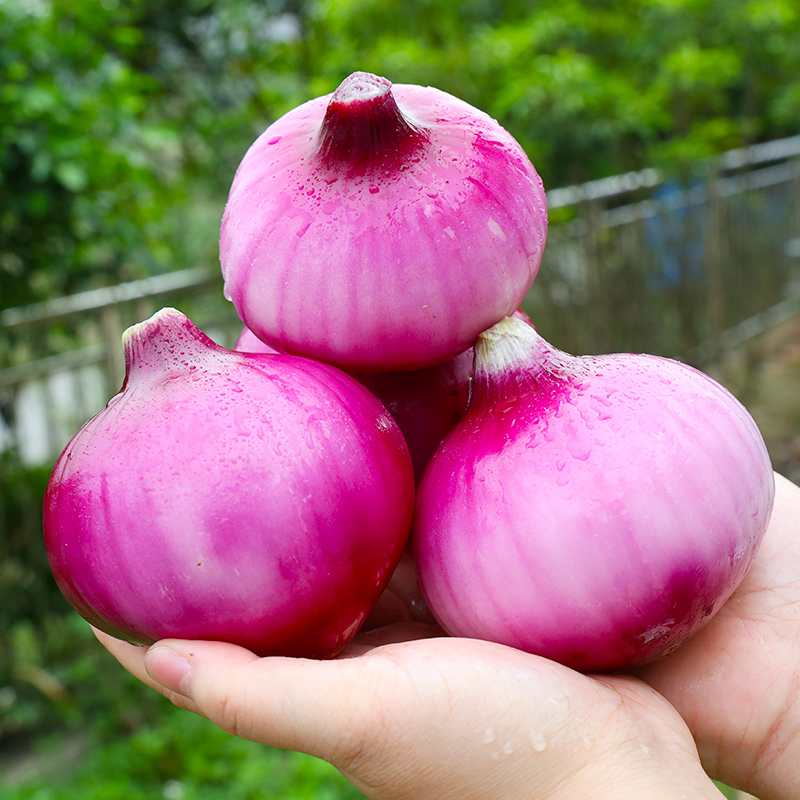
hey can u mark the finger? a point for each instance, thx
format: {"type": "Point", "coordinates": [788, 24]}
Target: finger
{"type": "Point", "coordinates": [132, 657]}
{"type": "Point", "coordinates": [290, 703]}
{"type": "Point", "coordinates": [232, 687]}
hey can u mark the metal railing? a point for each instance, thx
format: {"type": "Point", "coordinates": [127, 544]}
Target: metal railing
{"type": "Point", "coordinates": [644, 262]}
{"type": "Point", "coordinates": [68, 356]}
{"type": "Point", "coordinates": [635, 262]}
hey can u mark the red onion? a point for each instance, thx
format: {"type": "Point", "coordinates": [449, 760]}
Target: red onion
{"type": "Point", "coordinates": [425, 403]}
{"type": "Point", "coordinates": [593, 510]}
{"type": "Point", "coordinates": [381, 228]}
{"type": "Point", "coordinates": [248, 342]}
{"type": "Point", "coordinates": [263, 500]}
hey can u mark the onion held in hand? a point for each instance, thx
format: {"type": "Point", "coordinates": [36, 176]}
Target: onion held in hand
{"type": "Point", "coordinates": [592, 510]}
{"type": "Point", "coordinates": [262, 500]}
{"type": "Point", "coordinates": [425, 403]}
{"type": "Point", "coordinates": [381, 228]}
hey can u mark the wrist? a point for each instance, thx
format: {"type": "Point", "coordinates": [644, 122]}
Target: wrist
{"type": "Point", "coordinates": [642, 778]}
{"type": "Point", "coordinates": [643, 750]}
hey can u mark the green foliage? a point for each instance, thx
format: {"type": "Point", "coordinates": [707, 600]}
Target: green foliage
{"type": "Point", "coordinates": [83, 173]}
{"type": "Point", "coordinates": [130, 741]}
{"type": "Point", "coordinates": [124, 122]}
{"type": "Point", "coordinates": [115, 119]}
{"type": "Point", "coordinates": [27, 589]}
{"type": "Point", "coordinates": [590, 89]}
{"type": "Point", "coordinates": [182, 756]}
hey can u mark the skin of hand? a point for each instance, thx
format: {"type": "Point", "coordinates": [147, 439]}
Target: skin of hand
{"type": "Point", "coordinates": [408, 713]}
{"type": "Point", "coordinates": [407, 718]}
{"type": "Point", "coordinates": [736, 682]}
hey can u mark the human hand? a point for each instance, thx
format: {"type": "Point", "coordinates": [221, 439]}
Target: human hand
{"type": "Point", "coordinates": [736, 682]}
{"type": "Point", "coordinates": [401, 714]}
{"type": "Point", "coordinates": [407, 718]}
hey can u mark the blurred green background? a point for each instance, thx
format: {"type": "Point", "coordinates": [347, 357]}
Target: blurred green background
{"type": "Point", "coordinates": [123, 122]}
{"type": "Point", "coordinates": [121, 126]}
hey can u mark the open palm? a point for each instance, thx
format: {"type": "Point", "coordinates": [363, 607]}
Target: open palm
{"type": "Point", "coordinates": [406, 712]}
{"type": "Point", "coordinates": [737, 681]}
{"type": "Point", "coordinates": [408, 718]}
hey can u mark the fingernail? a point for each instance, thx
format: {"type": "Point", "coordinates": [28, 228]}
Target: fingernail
{"type": "Point", "coordinates": [168, 668]}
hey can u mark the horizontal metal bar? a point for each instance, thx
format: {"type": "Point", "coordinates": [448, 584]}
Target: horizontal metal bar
{"type": "Point", "coordinates": [70, 305]}
{"type": "Point", "coordinates": [603, 188]}
{"type": "Point", "coordinates": [775, 150]}
{"type": "Point", "coordinates": [780, 149]}
{"type": "Point", "coordinates": [745, 331]}
{"type": "Point", "coordinates": [51, 365]}
{"type": "Point", "coordinates": [697, 195]}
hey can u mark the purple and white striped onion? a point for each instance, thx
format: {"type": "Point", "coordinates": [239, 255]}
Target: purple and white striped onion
{"type": "Point", "coordinates": [594, 510]}
{"type": "Point", "coordinates": [381, 228]}
{"type": "Point", "coordinates": [263, 500]}
{"type": "Point", "coordinates": [426, 403]}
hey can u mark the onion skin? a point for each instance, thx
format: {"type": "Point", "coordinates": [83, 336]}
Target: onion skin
{"type": "Point", "coordinates": [593, 510]}
{"type": "Point", "coordinates": [381, 228]}
{"type": "Point", "coordinates": [425, 403]}
{"type": "Point", "coordinates": [262, 500]}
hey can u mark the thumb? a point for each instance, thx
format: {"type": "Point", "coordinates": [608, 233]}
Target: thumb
{"type": "Point", "coordinates": [289, 703]}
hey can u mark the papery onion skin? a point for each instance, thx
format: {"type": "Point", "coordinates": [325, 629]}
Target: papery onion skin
{"type": "Point", "coordinates": [389, 262]}
{"type": "Point", "coordinates": [596, 510]}
{"type": "Point", "coordinates": [263, 500]}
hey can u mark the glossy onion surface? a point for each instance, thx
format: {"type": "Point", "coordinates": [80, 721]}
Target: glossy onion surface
{"type": "Point", "coordinates": [425, 403]}
{"type": "Point", "coordinates": [263, 500]}
{"type": "Point", "coordinates": [593, 510]}
{"type": "Point", "coordinates": [381, 228]}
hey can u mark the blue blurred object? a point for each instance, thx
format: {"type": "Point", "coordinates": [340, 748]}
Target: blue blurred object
{"type": "Point", "coordinates": [675, 234]}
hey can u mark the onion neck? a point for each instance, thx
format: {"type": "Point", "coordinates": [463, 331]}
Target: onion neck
{"type": "Point", "coordinates": [512, 360]}
{"type": "Point", "coordinates": [364, 127]}
{"type": "Point", "coordinates": [168, 343]}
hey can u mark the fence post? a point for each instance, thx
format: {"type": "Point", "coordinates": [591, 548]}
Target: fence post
{"type": "Point", "coordinates": [795, 267]}
{"type": "Point", "coordinates": [598, 329]}
{"type": "Point", "coordinates": [111, 322]}
{"type": "Point", "coordinates": [715, 254]}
